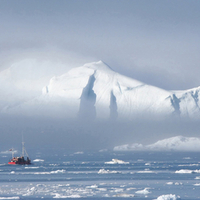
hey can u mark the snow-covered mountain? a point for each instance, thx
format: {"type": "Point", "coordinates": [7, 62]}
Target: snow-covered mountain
{"type": "Point", "coordinates": [95, 91]}
{"type": "Point", "coordinates": [178, 143]}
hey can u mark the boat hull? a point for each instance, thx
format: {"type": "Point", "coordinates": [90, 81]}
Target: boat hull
{"type": "Point", "coordinates": [11, 163]}
{"type": "Point", "coordinates": [19, 163]}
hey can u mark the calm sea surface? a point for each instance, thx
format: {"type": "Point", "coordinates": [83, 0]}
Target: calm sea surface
{"type": "Point", "coordinates": [61, 174]}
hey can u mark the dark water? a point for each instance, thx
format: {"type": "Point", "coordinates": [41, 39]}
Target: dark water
{"type": "Point", "coordinates": [62, 174]}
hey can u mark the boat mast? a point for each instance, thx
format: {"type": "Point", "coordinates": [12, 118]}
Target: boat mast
{"type": "Point", "coordinates": [23, 147]}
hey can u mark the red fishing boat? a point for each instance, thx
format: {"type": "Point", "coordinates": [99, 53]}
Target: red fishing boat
{"type": "Point", "coordinates": [20, 160]}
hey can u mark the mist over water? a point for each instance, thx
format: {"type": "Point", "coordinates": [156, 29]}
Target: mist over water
{"type": "Point", "coordinates": [81, 134]}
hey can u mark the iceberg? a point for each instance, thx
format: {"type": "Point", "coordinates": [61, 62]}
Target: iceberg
{"type": "Point", "coordinates": [95, 91]}
{"type": "Point", "coordinates": [177, 143]}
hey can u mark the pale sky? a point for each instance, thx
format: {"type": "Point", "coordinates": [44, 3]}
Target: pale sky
{"type": "Point", "coordinates": [157, 42]}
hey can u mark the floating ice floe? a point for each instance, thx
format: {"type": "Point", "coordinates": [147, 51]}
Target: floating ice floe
{"type": "Point", "coordinates": [31, 167]}
{"type": "Point", "coordinates": [197, 184]}
{"type": "Point", "coordinates": [124, 195]}
{"type": "Point", "coordinates": [186, 158]}
{"type": "Point", "coordinates": [103, 150]}
{"type": "Point", "coordinates": [58, 171]}
{"type": "Point", "coordinates": [145, 191]}
{"type": "Point", "coordinates": [189, 165]}
{"type": "Point", "coordinates": [52, 172]}
{"type": "Point", "coordinates": [58, 196]}
{"type": "Point", "coordinates": [104, 171]}
{"type": "Point", "coordinates": [102, 189]}
{"type": "Point", "coordinates": [168, 197]}
{"type": "Point", "coordinates": [187, 171]}
{"type": "Point", "coordinates": [79, 152]}
{"type": "Point", "coordinates": [116, 161]}
{"type": "Point", "coordinates": [9, 198]}
{"type": "Point", "coordinates": [177, 183]}
{"type": "Point", "coordinates": [38, 173]}
{"type": "Point", "coordinates": [145, 172]}
{"type": "Point", "coordinates": [169, 183]}
{"type": "Point", "coordinates": [130, 189]}
{"type": "Point", "coordinates": [92, 186]}
{"type": "Point", "coordinates": [38, 160]}
{"type": "Point", "coordinates": [148, 164]}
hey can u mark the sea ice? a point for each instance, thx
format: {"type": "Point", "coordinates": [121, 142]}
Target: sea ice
{"type": "Point", "coordinates": [187, 171]}
{"type": "Point", "coordinates": [92, 186]}
{"type": "Point", "coordinates": [145, 191]}
{"type": "Point", "coordinates": [58, 196]}
{"type": "Point", "coordinates": [104, 171]}
{"type": "Point", "coordinates": [116, 161]}
{"type": "Point", "coordinates": [130, 189]}
{"type": "Point", "coordinates": [189, 165]}
{"type": "Point", "coordinates": [178, 183]}
{"type": "Point", "coordinates": [79, 152]}
{"type": "Point", "coordinates": [169, 183]}
{"type": "Point", "coordinates": [102, 189]}
{"type": "Point", "coordinates": [168, 197]}
{"type": "Point", "coordinates": [58, 171]}
{"type": "Point", "coordinates": [103, 150]}
{"type": "Point", "coordinates": [187, 158]}
{"type": "Point", "coordinates": [124, 195]}
{"type": "Point", "coordinates": [148, 164]}
{"type": "Point", "coordinates": [31, 167]}
{"type": "Point", "coordinates": [42, 173]}
{"type": "Point", "coordinates": [145, 171]}
{"type": "Point", "coordinates": [38, 160]}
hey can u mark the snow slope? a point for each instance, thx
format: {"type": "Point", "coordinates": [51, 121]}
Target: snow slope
{"type": "Point", "coordinates": [178, 143]}
{"type": "Point", "coordinates": [95, 91]}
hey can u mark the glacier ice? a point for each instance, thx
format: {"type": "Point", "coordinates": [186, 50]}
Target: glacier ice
{"type": "Point", "coordinates": [95, 91]}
